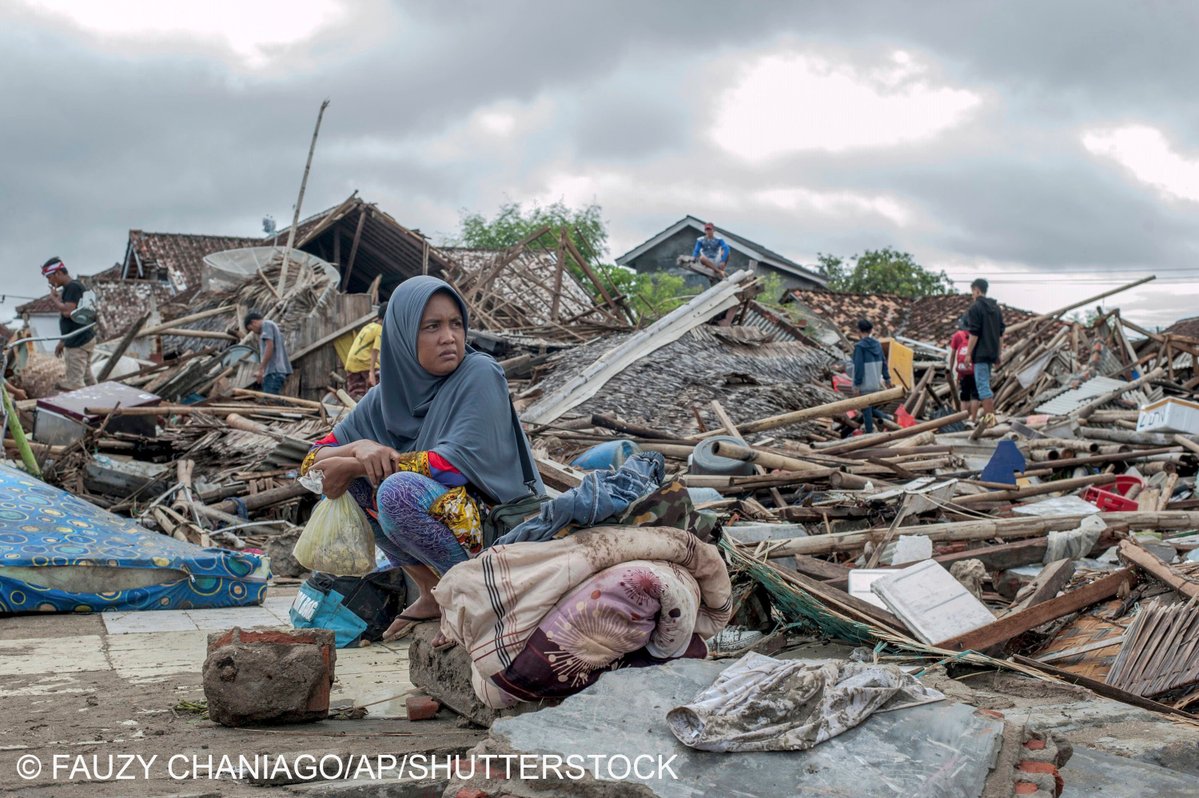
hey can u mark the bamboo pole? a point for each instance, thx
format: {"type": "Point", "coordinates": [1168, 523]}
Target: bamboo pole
{"type": "Point", "coordinates": [982, 529]}
{"type": "Point", "coordinates": [185, 410]}
{"type": "Point", "coordinates": [295, 221]}
{"type": "Point", "coordinates": [867, 441]}
{"type": "Point", "coordinates": [1037, 490]}
{"type": "Point", "coordinates": [18, 432]}
{"type": "Point", "coordinates": [1020, 326]}
{"type": "Point", "coordinates": [820, 411]}
{"type": "Point", "coordinates": [769, 459]}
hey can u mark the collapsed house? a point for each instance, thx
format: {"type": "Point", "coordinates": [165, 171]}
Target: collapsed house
{"type": "Point", "coordinates": [1057, 545]}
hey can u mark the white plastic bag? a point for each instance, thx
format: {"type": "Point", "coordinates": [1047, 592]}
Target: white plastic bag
{"type": "Point", "coordinates": [338, 539]}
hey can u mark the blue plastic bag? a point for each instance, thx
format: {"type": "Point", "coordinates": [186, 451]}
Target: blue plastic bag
{"type": "Point", "coordinates": [313, 609]}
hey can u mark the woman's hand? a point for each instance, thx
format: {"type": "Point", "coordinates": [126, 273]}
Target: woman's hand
{"type": "Point", "coordinates": [377, 460]}
{"type": "Point", "coordinates": [339, 472]}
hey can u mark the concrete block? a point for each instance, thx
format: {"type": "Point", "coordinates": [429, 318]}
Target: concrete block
{"type": "Point", "coordinates": [269, 676]}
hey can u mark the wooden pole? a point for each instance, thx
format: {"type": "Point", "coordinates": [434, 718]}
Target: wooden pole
{"type": "Point", "coordinates": [768, 459]}
{"type": "Point", "coordinates": [837, 408]}
{"type": "Point", "coordinates": [295, 221]}
{"type": "Point", "coordinates": [1036, 490]}
{"type": "Point", "coordinates": [119, 351]}
{"type": "Point", "coordinates": [983, 529]}
{"type": "Point", "coordinates": [345, 275]}
{"type": "Point", "coordinates": [867, 441]}
{"type": "Point", "coordinates": [1017, 327]}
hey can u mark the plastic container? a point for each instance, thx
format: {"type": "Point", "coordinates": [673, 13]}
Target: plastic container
{"type": "Point", "coordinates": [1110, 498]}
{"type": "Point", "coordinates": [611, 454]}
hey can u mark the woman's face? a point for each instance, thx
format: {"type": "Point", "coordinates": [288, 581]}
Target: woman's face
{"type": "Point", "coordinates": [441, 340]}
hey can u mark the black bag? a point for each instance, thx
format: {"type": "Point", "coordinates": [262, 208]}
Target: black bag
{"type": "Point", "coordinates": [503, 518]}
{"type": "Point", "coordinates": [375, 598]}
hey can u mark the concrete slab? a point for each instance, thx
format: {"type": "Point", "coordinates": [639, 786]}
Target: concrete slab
{"type": "Point", "coordinates": [67, 654]}
{"type": "Point", "coordinates": [122, 623]}
{"type": "Point", "coordinates": [156, 655]}
{"type": "Point", "coordinates": [1094, 774]}
{"type": "Point", "coordinates": [942, 750]}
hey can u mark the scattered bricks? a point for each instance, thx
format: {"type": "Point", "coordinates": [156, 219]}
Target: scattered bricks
{"type": "Point", "coordinates": [1035, 745]}
{"type": "Point", "coordinates": [269, 676]}
{"type": "Point", "coordinates": [1026, 788]}
{"type": "Point", "coordinates": [1046, 776]}
{"type": "Point", "coordinates": [421, 707]}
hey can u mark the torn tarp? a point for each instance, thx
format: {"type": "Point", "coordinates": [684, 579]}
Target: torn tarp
{"type": "Point", "coordinates": [763, 704]}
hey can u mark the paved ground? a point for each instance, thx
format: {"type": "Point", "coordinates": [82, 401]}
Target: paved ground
{"type": "Point", "coordinates": [92, 688]}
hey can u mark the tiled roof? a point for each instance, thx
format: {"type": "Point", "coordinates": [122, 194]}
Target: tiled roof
{"type": "Point", "coordinates": [932, 319]}
{"type": "Point", "coordinates": [1186, 327]}
{"type": "Point", "coordinates": [180, 256]}
{"type": "Point", "coordinates": [41, 305]}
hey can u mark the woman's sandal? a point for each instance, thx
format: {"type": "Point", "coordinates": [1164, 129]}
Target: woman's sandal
{"type": "Point", "coordinates": [407, 629]}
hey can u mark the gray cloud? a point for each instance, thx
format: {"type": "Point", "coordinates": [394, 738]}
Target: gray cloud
{"type": "Point", "coordinates": [613, 99]}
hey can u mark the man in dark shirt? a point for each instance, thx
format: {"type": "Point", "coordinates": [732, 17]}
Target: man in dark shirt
{"type": "Point", "coordinates": [984, 322]}
{"type": "Point", "coordinates": [76, 350]}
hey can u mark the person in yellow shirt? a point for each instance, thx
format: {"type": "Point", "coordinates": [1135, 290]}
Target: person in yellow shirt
{"type": "Point", "coordinates": [362, 365]}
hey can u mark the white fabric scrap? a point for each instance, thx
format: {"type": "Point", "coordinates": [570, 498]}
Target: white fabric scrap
{"type": "Point", "coordinates": [1074, 543]}
{"type": "Point", "coordinates": [763, 704]}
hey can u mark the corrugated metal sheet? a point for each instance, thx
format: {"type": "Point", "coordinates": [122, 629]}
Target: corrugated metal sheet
{"type": "Point", "coordinates": [1064, 403]}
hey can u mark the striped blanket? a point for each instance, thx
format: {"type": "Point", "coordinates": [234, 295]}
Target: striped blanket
{"type": "Point", "coordinates": [546, 619]}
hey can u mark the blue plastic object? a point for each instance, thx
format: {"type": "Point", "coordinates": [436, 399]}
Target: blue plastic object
{"type": "Point", "coordinates": [1004, 464]}
{"type": "Point", "coordinates": [611, 454]}
{"type": "Point", "coordinates": [314, 609]}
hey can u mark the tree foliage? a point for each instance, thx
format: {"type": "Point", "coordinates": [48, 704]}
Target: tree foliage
{"type": "Point", "coordinates": [885, 271]}
{"type": "Point", "coordinates": [650, 296]}
{"type": "Point", "coordinates": [513, 223]}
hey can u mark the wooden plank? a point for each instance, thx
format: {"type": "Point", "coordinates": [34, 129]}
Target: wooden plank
{"type": "Point", "coordinates": [1162, 572]}
{"type": "Point", "coordinates": [333, 336]}
{"type": "Point", "coordinates": [1018, 623]}
{"type": "Point", "coordinates": [820, 569]}
{"type": "Point", "coordinates": [1053, 579]}
{"type": "Point", "coordinates": [828, 410]}
{"type": "Point", "coordinates": [1105, 690]}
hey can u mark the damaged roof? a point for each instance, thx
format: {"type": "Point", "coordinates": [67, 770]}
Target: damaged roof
{"type": "Point", "coordinates": [176, 259]}
{"type": "Point", "coordinates": [932, 319]}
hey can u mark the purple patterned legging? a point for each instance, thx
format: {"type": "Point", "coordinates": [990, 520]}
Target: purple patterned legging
{"type": "Point", "coordinates": [406, 532]}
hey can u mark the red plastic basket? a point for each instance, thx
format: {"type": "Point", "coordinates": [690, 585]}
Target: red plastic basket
{"type": "Point", "coordinates": [1110, 498]}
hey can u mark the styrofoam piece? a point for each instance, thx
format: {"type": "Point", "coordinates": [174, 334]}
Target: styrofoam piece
{"type": "Point", "coordinates": [860, 580]}
{"type": "Point", "coordinates": [930, 602]}
{"type": "Point", "coordinates": [912, 548]}
{"type": "Point", "coordinates": [1169, 415]}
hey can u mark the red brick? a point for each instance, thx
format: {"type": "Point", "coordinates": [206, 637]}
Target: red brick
{"type": "Point", "coordinates": [1026, 788]}
{"type": "Point", "coordinates": [1035, 744]}
{"type": "Point", "coordinates": [990, 713]}
{"type": "Point", "coordinates": [1038, 767]}
{"type": "Point", "coordinates": [471, 792]}
{"type": "Point", "coordinates": [421, 707]}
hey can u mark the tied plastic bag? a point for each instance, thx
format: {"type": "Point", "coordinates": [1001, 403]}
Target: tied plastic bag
{"type": "Point", "coordinates": [338, 539]}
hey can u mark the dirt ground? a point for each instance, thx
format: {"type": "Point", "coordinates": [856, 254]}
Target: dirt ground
{"type": "Point", "coordinates": [75, 697]}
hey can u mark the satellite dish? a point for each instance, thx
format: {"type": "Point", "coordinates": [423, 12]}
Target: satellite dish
{"type": "Point", "coordinates": [268, 225]}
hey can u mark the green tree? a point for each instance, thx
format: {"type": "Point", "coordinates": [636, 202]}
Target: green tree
{"type": "Point", "coordinates": [885, 271]}
{"type": "Point", "coordinates": [513, 223]}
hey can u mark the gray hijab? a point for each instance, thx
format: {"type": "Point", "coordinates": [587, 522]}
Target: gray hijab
{"type": "Point", "coordinates": [465, 417]}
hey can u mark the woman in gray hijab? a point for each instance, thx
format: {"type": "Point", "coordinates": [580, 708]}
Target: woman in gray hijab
{"type": "Point", "coordinates": [430, 447]}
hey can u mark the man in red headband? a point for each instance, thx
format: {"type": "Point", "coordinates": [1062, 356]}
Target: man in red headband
{"type": "Point", "coordinates": [76, 349]}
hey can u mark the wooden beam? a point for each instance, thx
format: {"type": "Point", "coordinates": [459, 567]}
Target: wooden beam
{"type": "Point", "coordinates": [1053, 579]}
{"type": "Point", "coordinates": [1162, 572]}
{"type": "Point", "coordinates": [828, 410]}
{"type": "Point", "coordinates": [345, 279]}
{"type": "Point", "coordinates": [119, 351]}
{"type": "Point", "coordinates": [333, 336]}
{"type": "Point", "coordinates": [866, 441]}
{"type": "Point", "coordinates": [1008, 627]}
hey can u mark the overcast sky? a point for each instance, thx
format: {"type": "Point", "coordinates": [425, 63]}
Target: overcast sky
{"type": "Point", "coordinates": [1050, 146]}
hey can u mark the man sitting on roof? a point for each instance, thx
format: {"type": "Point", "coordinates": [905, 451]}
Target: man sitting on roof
{"type": "Point", "coordinates": [711, 251]}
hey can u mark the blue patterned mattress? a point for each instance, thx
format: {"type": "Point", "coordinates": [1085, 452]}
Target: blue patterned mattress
{"type": "Point", "coordinates": [59, 553]}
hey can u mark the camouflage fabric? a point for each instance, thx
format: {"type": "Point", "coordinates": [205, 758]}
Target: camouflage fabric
{"type": "Point", "coordinates": [670, 505]}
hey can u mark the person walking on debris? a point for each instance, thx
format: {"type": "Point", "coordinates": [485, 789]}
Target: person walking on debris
{"type": "Point", "coordinates": [430, 446]}
{"type": "Point", "coordinates": [76, 350]}
{"type": "Point", "coordinates": [711, 251]}
{"type": "Point", "coordinates": [984, 323]}
{"type": "Point", "coordinates": [870, 371]}
{"type": "Point", "coordinates": [960, 370]}
{"type": "Point", "coordinates": [274, 366]}
{"type": "Point", "coordinates": [362, 364]}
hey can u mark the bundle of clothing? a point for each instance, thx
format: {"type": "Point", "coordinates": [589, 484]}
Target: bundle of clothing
{"type": "Point", "coordinates": [546, 619]}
